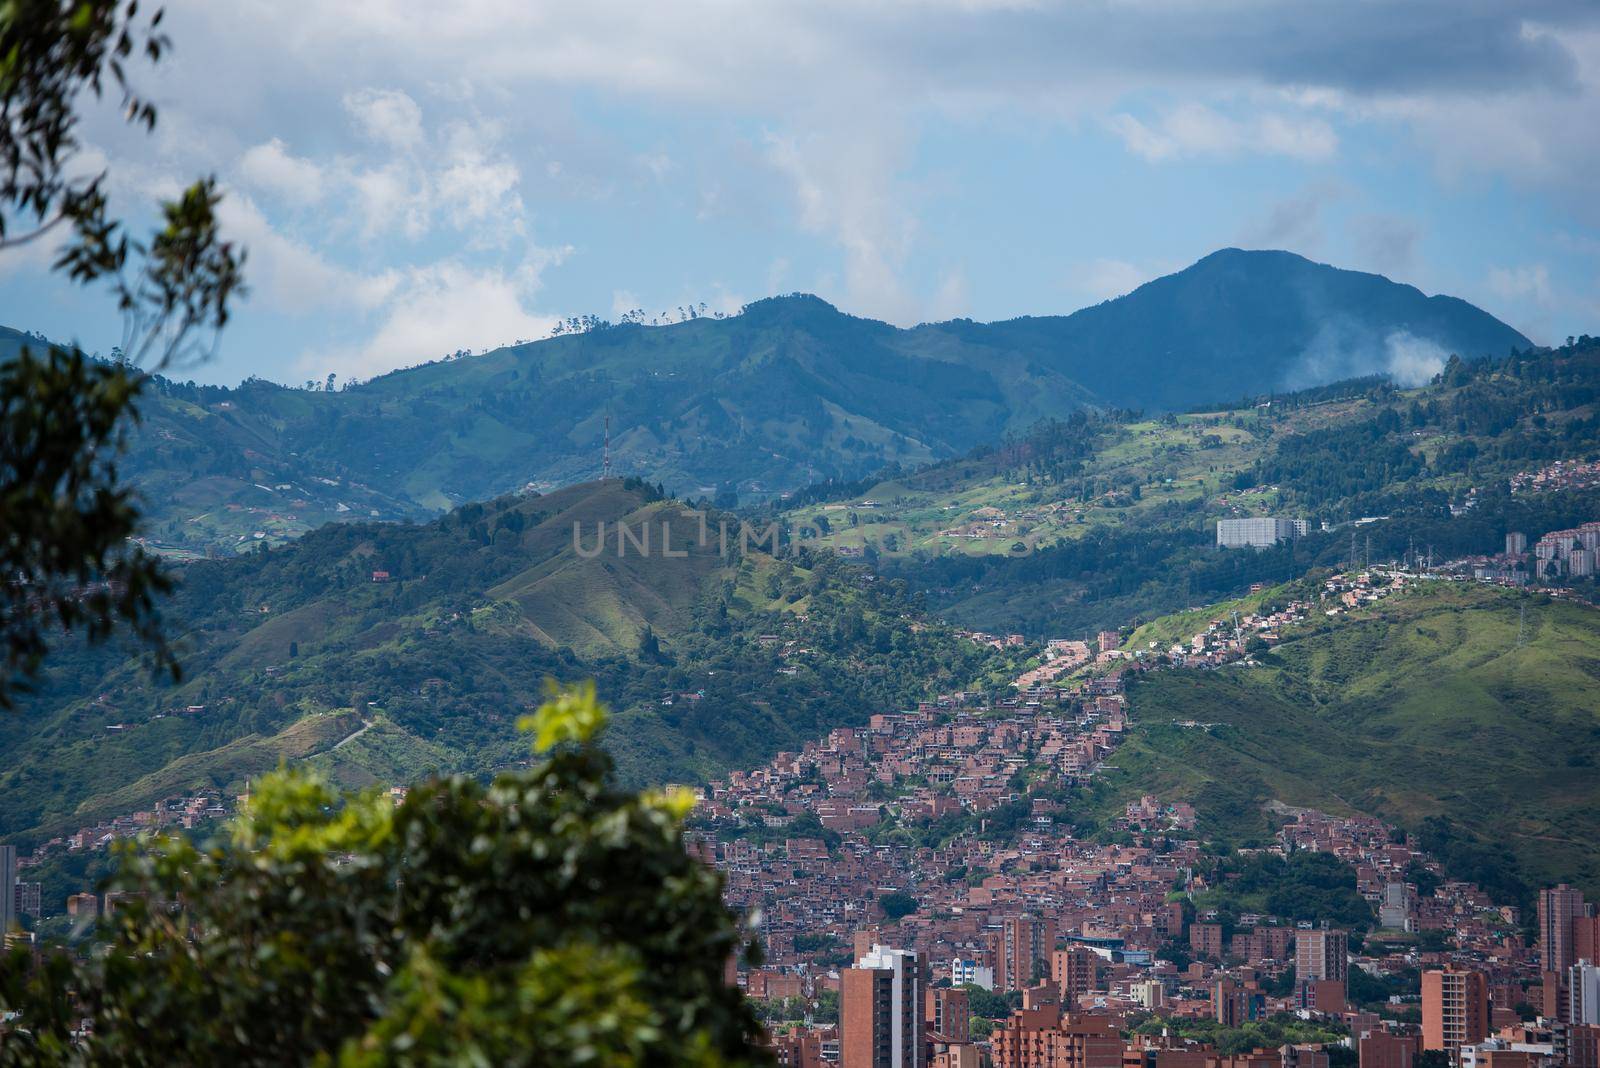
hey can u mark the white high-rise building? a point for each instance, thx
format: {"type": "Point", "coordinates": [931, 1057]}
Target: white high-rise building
{"type": "Point", "coordinates": [880, 1011]}
{"type": "Point", "coordinates": [1258, 532]}
{"type": "Point", "coordinates": [1583, 993]}
{"type": "Point", "coordinates": [964, 972]}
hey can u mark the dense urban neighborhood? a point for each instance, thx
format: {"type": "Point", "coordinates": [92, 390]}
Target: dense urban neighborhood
{"type": "Point", "coordinates": [928, 853]}
{"type": "Point", "coordinates": [933, 854]}
{"type": "Point", "coordinates": [945, 874]}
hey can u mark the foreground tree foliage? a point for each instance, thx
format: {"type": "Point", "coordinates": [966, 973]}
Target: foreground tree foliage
{"type": "Point", "coordinates": [546, 918]}
{"type": "Point", "coordinates": [65, 515]}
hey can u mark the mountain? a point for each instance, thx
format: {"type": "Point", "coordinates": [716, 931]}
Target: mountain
{"type": "Point", "coordinates": [1462, 713]}
{"type": "Point", "coordinates": [788, 392]}
{"type": "Point", "coordinates": [384, 651]}
{"type": "Point", "coordinates": [1240, 323]}
{"type": "Point", "coordinates": [13, 341]}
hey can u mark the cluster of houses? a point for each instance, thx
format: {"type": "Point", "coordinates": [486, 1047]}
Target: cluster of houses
{"type": "Point", "coordinates": [1063, 656]}
{"type": "Point", "coordinates": [1561, 475]}
{"type": "Point", "coordinates": [1557, 556]}
{"type": "Point", "coordinates": [181, 812]}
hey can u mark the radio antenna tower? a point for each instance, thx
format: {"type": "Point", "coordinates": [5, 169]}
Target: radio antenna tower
{"type": "Point", "coordinates": [605, 452]}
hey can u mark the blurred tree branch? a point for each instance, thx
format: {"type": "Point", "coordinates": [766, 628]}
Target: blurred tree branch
{"type": "Point", "coordinates": [66, 562]}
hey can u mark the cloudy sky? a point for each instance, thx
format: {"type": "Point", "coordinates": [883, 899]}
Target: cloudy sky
{"type": "Point", "coordinates": [412, 179]}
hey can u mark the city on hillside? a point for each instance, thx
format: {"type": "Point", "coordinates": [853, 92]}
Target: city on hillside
{"type": "Point", "coordinates": [804, 534]}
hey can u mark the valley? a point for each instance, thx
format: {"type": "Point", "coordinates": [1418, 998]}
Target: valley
{"type": "Point", "coordinates": [932, 535]}
{"type": "Point", "coordinates": [385, 651]}
{"type": "Point", "coordinates": [1026, 680]}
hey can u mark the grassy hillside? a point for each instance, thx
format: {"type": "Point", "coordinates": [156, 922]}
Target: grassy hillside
{"type": "Point", "coordinates": [1462, 703]}
{"type": "Point", "coordinates": [1100, 520]}
{"type": "Point", "coordinates": [1074, 479]}
{"type": "Point", "coordinates": [711, 659]}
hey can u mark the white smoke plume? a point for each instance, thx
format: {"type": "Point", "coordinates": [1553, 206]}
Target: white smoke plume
{"type": "Point", "coordinates": [1342, 349]}
{"type": "Point", "coordinates": [1412, 360]}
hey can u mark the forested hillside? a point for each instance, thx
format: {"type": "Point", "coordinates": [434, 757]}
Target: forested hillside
{"type": "Point", "coordinates": [1101, 518]}
{"type": "Point", "coordinates": [386, 651]}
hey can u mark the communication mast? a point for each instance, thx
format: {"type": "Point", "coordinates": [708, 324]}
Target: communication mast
{"type": "Point", "coordinates": [605, 453]}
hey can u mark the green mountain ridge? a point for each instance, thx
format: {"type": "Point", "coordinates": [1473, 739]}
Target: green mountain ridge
{"type": "Point", "coordinates": [750, 406]}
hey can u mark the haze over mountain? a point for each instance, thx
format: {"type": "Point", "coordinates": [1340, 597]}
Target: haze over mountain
{"type": "Point", "coordinates": [788, 392]}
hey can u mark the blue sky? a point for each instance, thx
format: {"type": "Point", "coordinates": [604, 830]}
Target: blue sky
{"type": "Point", "coordinates": [410, 182]}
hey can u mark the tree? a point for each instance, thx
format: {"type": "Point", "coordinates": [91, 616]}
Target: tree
{"type": "Point", "coordinates": [897, 904]}
{"type": "Point", "coordinates": [544, 918]}
{"type": "Point", "coordinates": [65, 515]}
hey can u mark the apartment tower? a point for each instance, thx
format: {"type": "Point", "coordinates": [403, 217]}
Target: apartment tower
{"type": "Point", "coordinates": [880, 1011]}
{"type": "Point", "coordinates": [1455, 1010]}
{"type": "Point", "coordinates": [1321, 954]}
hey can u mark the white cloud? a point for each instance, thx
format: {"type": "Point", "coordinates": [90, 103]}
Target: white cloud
{"type": "Point", "coordinates": [388, 116]}
{"type": "Point", "coordinates": [951, 300]}
{"type": "Point", "coordinates": [290, 276]}
{"type": "Point", "coordinates": [1194, 129]}
{"type": "Point", "coordinates": [844, 183]}
{"type": "Point", "coordinates": [1103, 279]}
{"type": "Point", "coordinates": [777, 275]}
{"type": "Point", "coordinates": [1486, 84]}
{"type": "Point", "coordinates": [270, 168]}
{"type": "Point", "coordinates": [1302, 139]}
{"type": "Point", "coordinates": [623, 302]}
{"type": "Point", "coordinates": [657, 164]}
{"type": "Point", "coordinates": [459, 177]}
{"type": "Point", "coordinates": [725, 300]}
{"type": "Point", "coordinates": [1530, 283]}
{"type": "Point", "coordinates": [1528, 297]}
{"type": "Point", "coordinates": [475, 185]}
{"type": "Point", "coordinates": [391, 199]}
{"type": "Point", "coordinates": [31, 258]}
{"type": "Point", "coordinates": [437, 309]}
